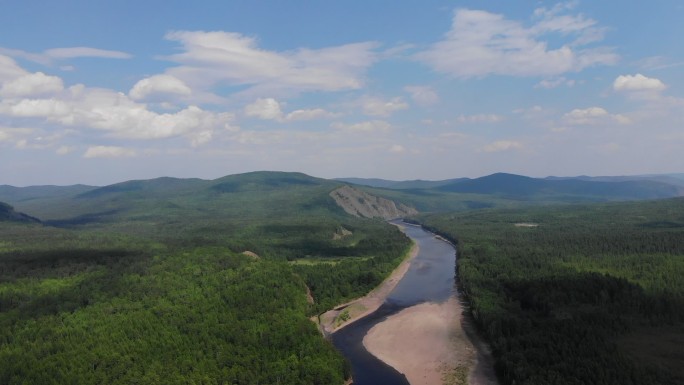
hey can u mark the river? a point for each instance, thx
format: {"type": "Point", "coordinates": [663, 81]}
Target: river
{"type": "Point", "coordinates": [430, 278]}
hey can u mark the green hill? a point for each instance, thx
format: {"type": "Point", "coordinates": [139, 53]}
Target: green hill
{"type": "Point", "coordinates": [183, 280]}
{"type": "Point", "coordinates": [8, 214]}
{"type": "Point", "coordinates": [522, 187]}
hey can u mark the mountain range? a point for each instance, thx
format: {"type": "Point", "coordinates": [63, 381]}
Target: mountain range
{"type": "Point", "coordinates": [267, 193]}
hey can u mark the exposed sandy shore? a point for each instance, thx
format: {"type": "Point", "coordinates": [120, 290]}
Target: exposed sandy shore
{"type": "Point", "coordinates": [428, 345]}
{"type": "Point", "coordinates": [333, 320]}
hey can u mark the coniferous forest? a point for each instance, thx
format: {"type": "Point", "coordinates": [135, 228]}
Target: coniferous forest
{"type": "Point", "coordinates": [163, 290]}
{"type": "Point", "coordinates": [576, 294]}
{"type": "Point", "coordinates": [215, 282]}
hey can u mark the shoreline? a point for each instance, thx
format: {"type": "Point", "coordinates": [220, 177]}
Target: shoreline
{"type": "Point", "coordinates": [330, 321]}
{"type": "Point", "coordinates": [426, 343]}
{"type": "Point", "coordinates": [432, 344]}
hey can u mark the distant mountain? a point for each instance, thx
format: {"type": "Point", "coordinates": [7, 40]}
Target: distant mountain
{"type": "Point", "coordinates": [522, 187]}
{"type": "Point", "coordinates": [267, 194]}
{"type": "Point", "coordinates": [417, 184]}
{"type": "Point", "coordinates": [264, 181]}
{"type": "Point", "coordinates": [163, 186]}
{"type": "Point", "coordinates": [8, 214]}
{"type": "Point", "coordinates": [13, 194]}
{"type": "Point", "coordinates": [262, 194]}
{"type": "Point", "coordinates": [671, 179]}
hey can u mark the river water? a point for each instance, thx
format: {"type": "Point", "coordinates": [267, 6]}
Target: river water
{"type": "Point", "coordinates": [430, 278]}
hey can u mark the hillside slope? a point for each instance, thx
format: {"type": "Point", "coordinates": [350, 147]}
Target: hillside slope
{"type": "Point", "coordinates": [522, 187]}
{"type": "Point", "coordinates": [361, 204]}
{"type": "Point", "coordinates": [8, 214]}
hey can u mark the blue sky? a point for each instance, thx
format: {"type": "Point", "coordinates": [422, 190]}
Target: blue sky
{"type": "Point", "coordinates": [100, 92]}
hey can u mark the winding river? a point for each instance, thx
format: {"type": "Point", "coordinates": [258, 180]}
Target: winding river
{"type": "Point", "coordinates": [430, 278]}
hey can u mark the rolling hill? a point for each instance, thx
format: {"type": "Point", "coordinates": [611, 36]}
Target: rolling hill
{"type": "Point", "coordinates": [8, 214]}
{"type": "Point", "coordinates": [522, 187]}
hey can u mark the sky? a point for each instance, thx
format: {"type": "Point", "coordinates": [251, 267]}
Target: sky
{"type": "Point", "coordinates": [99, 92]}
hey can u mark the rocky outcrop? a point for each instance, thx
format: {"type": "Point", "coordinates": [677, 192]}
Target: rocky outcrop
{"type": "Point", "coordinates": [361, 204]}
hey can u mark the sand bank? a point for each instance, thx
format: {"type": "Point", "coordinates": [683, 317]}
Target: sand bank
{"type": "Point", "coordinates": [428, 345]}
{"type": "Point", "coordinates": [346, 314]}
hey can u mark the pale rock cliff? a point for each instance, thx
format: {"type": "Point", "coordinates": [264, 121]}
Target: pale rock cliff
{"type": "Point", "coordinates": [361, 204]}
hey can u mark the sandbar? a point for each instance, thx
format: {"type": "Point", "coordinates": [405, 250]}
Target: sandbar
{"type": "Point", "coordinates": [427, 343]}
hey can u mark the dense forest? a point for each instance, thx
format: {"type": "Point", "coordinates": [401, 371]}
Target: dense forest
{"type": "Point", "coordinates": [576, 294]}
{"type": "Point", "coordinates": [191, 290]}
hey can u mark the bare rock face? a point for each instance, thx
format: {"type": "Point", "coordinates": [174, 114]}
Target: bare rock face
{"type": "Point", "coordinates": [362, 204]}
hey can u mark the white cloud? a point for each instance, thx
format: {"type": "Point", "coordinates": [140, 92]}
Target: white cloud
{"type": "Point", "coordinates": [264, 108]}
{"type": "Point", "coordinates": [397, 149]}
{"type": "Point", "coordinates": [26, 108]}
{"type": "Point", "coordinates": [210, 58]}
{"type": "Point", "coordinates": [8, 134]}
{"type": "Point", "coordinates": [158, 85]}
{"type": "Point", "coordinates": [9, 69]}
{"type": "Point", "coordinates": [593, 115]}
{"type": "Point", "coordinates": [74, 52]}
{"type": "Point", "coordinates": [309, 114]}
{"type": "Point", "coordinates": [108, 152]}
{"type": "Point", "coordinates": [637, 82]}
{"type": "Point", "coordinates": [115, 113]}
{"type": "Point", "coordinates": [367, 126]}
{"type": "Point", "coordinates": [63, 150]}
{"type": "Point", "coordinates": [422, 95]}
{"type": "Point", "coordinates": [555, 82]}
{"type": "Point", "coordinates": [34, 84]}
{"type": "Point", "coordinates": [479, 118]}
{"type": "Point", "coordinates": [380, 107]}
{"type": "Point", "coordinates": [502, 145]}
{"type": "Point", "coordinates": [270, 109]}
{"type": "Point", "coordinates": [481, 43]}
{"type": "Point", "coordinates": [200, 138]}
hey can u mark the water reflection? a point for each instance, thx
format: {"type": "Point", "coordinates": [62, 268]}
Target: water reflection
{"type": "Point", "coordinates": [430, 278]}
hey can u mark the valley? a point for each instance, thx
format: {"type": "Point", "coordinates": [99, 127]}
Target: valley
{"type": "Point", "coordinates": [206, 281]}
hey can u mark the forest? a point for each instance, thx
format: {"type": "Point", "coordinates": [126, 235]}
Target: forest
{"type": "Point", "coordinates": [575, 294]}
{"type": "Point", "coordinates": [206, 282]}
{"type": "Point", "coordinates": [180, 289]}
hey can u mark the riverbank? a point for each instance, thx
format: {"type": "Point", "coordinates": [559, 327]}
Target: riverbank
{"type": "Point", "coordinates": [346, 314]}
{"type": "Point", "coordinates": [426, 343]}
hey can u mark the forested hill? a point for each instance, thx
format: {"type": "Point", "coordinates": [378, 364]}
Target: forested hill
{"type": "Point", "coordinates": [521, 187]}
{"type": "Point", "coordinates": [7, 213]}
{"type": "Point", "coordinates": [181, 281]}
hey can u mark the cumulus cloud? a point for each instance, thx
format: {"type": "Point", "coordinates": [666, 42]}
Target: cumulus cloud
{"type": "Point", "coordinates": [371, 126]}
{"type": "Point", "coordinates": [502, 145]}
{"type": "Point", "coordinates": [114, 113]}
{"type": "Point", "coordinates": [593, 115]}
{"type": "Point", "coordinates": [108, 152]}
{"type": "Point", "coordinates": [210, 58]}
{"type": "Point", "coordinates": [34, 84]}
{"type": "Point", "coordinates": [637, 82]}
{"type": "Point", "coordinates": [31, 108]}
{"type": "Point", "coordinates": [422, 95]}
{"type": "Point", "coordinates": [264, 108]}
{"type": "Point", "coordinates": [481, 43]}
{"type": "Point", "coordinates": [270, 109]}
{"type": "Point", "coordinates": [158, 85]}
{"type": "Point", "coordinates": [9, 69]}
{"type": "Point", "coordinates": [380, 107]}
